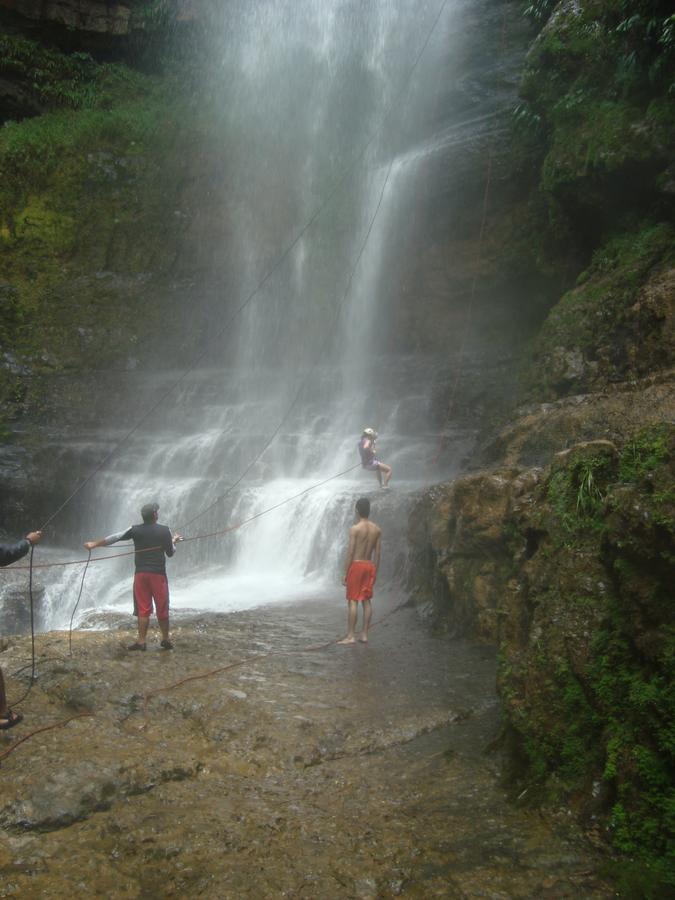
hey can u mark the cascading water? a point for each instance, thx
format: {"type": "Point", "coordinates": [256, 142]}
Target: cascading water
{"type": "Point", "coordinates": [300, 90]}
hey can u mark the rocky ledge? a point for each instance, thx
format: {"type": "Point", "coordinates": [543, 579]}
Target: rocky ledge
{"type": "Point", "coordinates": [568, 569]}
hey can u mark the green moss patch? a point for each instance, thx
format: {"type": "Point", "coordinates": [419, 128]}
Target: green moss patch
{"type": "Point", "coordinates": [88, 228]}
{"type": "Point", "coordinates": [596, 119]}
{"type": "Point", "coordinates": [593, 334]}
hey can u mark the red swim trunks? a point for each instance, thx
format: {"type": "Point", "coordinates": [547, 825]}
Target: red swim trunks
{"type": "Point", "coordinates": [149, 586]}
{"type": "Point", "coordinates": [361, 580]}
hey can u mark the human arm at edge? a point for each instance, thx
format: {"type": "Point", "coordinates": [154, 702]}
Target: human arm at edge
{"type": "Point", "coordinates": [10, 553]}
{"type": "Point", "coordinates": [107, 541]}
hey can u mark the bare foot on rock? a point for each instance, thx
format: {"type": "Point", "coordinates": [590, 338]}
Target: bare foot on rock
{"type": "Point", "coordinates": [347, 640]}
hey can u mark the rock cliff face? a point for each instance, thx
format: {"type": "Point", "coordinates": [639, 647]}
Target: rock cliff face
{"type": "Point", "coordinates": [562, 552]}
{"type": "Point", "coordinates": [86, 15]}
{"type": "Point", "coordinates": [568, 570]}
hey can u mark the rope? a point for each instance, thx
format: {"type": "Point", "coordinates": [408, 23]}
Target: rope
{"type": "Point", "coordinates": [31, 734]}
{"type": "Point", "coordinates": [273, 268]}
{"type": "Point", "coordinates": [197, 677]}
{"type": "Point", "coordinates": [250, 659]}
{"type": "Point", "coordinates": [340, 305]}
{"type": "Point", "coordinates": [474, 282]}
{"type": "Point", "coordinates": [198, 537]}
{"type": "Point", "coordinates": [32, 632]}
{"type": "Point", "coordinates": [322, 350]}
{"type": "Point", "coordinates": [79, 596]}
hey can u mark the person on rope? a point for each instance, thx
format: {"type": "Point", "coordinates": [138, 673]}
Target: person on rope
{"type": "Point", "coordinates": [363, 561]}
{"type": "Point", "coordinates": [9, 553]}
{"type": "Point", "coordinates": [369, 458]}
{"type": "Point", "coordinates": [152, 543]}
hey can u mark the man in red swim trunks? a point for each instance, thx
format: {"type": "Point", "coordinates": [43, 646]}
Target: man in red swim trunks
{"type": "Point", "coordinates": [363, 561]}
{"type": "Point", "coordinates": [152, 544]}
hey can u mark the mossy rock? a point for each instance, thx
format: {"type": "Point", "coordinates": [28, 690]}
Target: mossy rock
{"type": "Point", "coordinates": [617, 325]}
{"type": "Point", "coordinates": [587, 647]}
{"type": "Point", "coordinates": [598, 117]}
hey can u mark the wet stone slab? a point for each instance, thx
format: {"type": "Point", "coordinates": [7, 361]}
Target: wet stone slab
{"type": "Point", "coordinates": [356, 772]}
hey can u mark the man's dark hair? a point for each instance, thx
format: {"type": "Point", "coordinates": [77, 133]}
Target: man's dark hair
{"type": "Point", "coordinates": [363, 507]}
{"type": "Point", "coordinates": [148, 512]}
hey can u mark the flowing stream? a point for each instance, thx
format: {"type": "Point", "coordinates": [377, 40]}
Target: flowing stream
{"type": "Point", "coordinates": [380, 107]}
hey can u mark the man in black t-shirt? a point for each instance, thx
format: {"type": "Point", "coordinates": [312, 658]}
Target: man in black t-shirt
{"type": "Point", "coordinates": [152, 543]}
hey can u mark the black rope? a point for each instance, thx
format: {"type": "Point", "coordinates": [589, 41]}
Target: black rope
{"type": "Point", "coordinates": [346, 291]}
{"type": "Point", "coordinates": [395, 104]}
{"type": "Point", "coordinates": [32, 630]}
{"type": "Point", "coordinates": [329, 334]}
{"type": "Point", "coordinates": [320, 355]}
{"type": "Point", "coordinates": [79, 597]}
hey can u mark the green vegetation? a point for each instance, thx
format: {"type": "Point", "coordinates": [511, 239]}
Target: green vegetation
{"type": "Point", "coordinates": [33, 151]}
{"type": "Point", "coordinates": [53, 79]}
{"type": "Point", "coordinates": [577, 491]}
{"type": "Point", "coordinates": [540, 10]}
{"type": "Point", "coordinates": [593, 699]}
{"type": "Point", "coordinates": [600, 322]}
{"type": "Point", "coordinates": [643, 454]}
{"type": "Point", "coordinates": [85, 214]}
{"type": "Point", "coordinates": [637, 705]}
{"type": "Point", "coordinates": [596, 116]}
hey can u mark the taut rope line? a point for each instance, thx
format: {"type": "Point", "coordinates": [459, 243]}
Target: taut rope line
{"type": "Point", "coordinates": [197, 537]}
{"type": "Point", "coordinates": [322, 350]}
{"type": "Point", "coordinates": [340, 305]}
{"type": "Point", "coordinates": [275, 265]}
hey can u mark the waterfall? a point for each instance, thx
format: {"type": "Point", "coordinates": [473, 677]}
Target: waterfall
{"type": "Point", "coordinates": [307, 95]}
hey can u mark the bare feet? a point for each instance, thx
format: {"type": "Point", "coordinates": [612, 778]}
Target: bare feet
{"type": "Point", "coordinates": [363, 639]}
{"type": "Point", "coordinates": [348, 640]}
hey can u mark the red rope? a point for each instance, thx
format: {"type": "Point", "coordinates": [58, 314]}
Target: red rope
{"type": "Point", "coordinates": [31, 734]}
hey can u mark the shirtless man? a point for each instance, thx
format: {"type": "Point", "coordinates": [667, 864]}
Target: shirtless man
{"type": "Point", "coordinates": [363, 561]}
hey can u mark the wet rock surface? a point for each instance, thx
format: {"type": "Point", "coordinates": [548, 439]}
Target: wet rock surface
{"type": "Point", "coordinates": [568, 569]}
{"type": "Point", "coordinates": [297, 768]}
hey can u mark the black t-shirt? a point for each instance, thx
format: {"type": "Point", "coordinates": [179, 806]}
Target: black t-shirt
{"type": "Point", "coordinates": [150, 535]}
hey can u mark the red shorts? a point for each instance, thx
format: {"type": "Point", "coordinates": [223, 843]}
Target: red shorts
{"type": "Point", "coordinates": [361, 580]}
{"type": "Point", "coordinates": [149, 586]}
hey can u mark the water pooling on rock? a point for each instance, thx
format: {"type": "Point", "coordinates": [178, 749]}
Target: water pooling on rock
{"type": "Point", "coordinates": [338, 772]}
